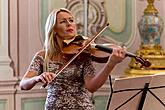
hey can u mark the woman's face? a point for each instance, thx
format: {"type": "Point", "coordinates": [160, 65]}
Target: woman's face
{"type": "Point", "coordinates": [65, 26]}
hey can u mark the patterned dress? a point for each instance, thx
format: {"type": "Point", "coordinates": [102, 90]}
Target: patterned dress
{"type": "Point", "coordinates": [67, 91]}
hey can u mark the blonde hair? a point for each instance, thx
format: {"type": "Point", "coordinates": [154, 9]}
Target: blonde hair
{"type": "Point", "coordinates": [51, 45]}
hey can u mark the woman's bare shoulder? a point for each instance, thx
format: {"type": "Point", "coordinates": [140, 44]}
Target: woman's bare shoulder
{"type": "Point", "coordinates": [41, 53]}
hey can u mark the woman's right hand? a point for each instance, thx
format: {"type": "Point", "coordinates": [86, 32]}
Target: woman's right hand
{"type": "Point", "coordinates": [45, 77]}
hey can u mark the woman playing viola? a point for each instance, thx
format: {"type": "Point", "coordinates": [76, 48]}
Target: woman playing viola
{"type": "Point", "coordinates": [70, 90]}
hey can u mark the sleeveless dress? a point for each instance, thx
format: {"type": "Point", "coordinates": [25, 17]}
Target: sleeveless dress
{"type": "Point", "coordinates": [67, 91]}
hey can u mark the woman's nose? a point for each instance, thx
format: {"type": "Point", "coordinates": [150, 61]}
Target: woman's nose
{"type": "Point", "coordinates": [68, 22]}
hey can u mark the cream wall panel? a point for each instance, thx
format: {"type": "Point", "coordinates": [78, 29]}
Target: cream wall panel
{"type": "Point", "coordinates": [25, 99]}
{"type": "Point", "coordinates": [7, 102]}
{"type": "Point", "coordinates": [29, 32]}
{"type": "Point", "coordinates": [2, 104]}
{"type": "Point", "coordinates": [116, 12]}
{"type": "Point", "coordinates": [6, 71]}
{"type": "Point", "coordinates": [0, 19]}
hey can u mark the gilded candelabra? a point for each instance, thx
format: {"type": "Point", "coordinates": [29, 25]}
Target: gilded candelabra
{"type": "Point", "coordinates": [150, 28]}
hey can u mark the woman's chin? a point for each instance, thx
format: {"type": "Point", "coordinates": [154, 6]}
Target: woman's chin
{"type": "Point", "coordinates": [70, 36]}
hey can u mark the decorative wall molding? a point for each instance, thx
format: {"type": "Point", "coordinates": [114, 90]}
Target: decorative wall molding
{"type": "Point", "coordinates": [96, 15]}
{"type": "Point", "coordinates": [101, 12]}
{"type": "Point", "coordinates": [31, 99]}
{"type": "Point", "coordinates": [122, 18]}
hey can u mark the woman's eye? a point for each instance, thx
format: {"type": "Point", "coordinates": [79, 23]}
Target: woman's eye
{"type": "Point", "coordinates": [71, 20]}
{"type": "Point", "coordinates": [63, 21]}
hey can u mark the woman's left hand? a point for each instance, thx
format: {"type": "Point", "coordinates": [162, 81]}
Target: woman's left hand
{"type": "Point", "coordinates": [117, 55]}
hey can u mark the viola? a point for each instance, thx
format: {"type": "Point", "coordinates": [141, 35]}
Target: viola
{"type": "Point", "coordinates": [100, 53]}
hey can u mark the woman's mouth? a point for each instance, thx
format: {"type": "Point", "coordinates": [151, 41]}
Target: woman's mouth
{"type": "Point", "coordinates": [70, 30]}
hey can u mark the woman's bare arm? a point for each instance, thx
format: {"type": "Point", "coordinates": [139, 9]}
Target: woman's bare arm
{"type": "Point", "coordinates": [31, 78]}
{"type": "Point", "coordinates": [94, 82]}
